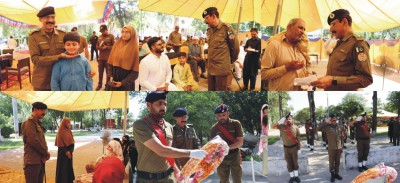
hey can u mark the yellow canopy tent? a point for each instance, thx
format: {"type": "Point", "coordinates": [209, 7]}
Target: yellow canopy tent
{"type": "Point", "coordinates": [368, 15]}
{"type": "Point", "coordinates": [75, 100]}
{"type": "Point", "coordinates": [386, 114]}
{"type": "Point", "coordinates": [72, 11]}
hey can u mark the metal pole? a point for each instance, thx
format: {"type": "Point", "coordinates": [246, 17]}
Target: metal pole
{"type": "Point", "coordinates": [15, 115]}
{"type": "Point", "coordinates": [125, 110]}
{"type": "Point", "coordinates": [277, 17]}
{"type": "Point", "coordinates": [240, 16]}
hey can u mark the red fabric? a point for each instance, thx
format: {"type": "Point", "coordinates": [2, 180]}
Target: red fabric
{"type": "Point", "coordinates": [161, 137]}
{"type": "Point", "coordinates": [111, 169]}
{"type": "Point", "coordinates": [290, 135]}
{"type": "Point", "coordinates": [226, 133]}
{"type": "Point", "coordinates": [365, 128]}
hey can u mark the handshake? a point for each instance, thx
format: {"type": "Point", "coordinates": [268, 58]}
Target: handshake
{"type": "Point", "coordinates": [294, 65]}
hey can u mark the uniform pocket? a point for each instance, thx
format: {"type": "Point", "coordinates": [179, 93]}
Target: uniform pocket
{"type": "Point", "coordinates": [44, 46]}
{"type": "Point", "coordinates": [341, 55]}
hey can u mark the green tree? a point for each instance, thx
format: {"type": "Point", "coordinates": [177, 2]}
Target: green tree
{"type": "Point", "coordinates": [278, 105]}
{"type": "Point", "coordinates": [122, 12]}
{"type": "Point", "coordinates": [302, 115]}
{"type": "Point", "coordinates": [77, 116]}
{"type": "Point", "coordinates": [54, 115]}
{"type": "Point", "coordinates": [199, 25]}
{"type": "Point", "coordinates": [393, 102]}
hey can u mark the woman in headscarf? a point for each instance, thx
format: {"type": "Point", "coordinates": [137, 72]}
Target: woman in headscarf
{"type": "Point", "coordinates": [65, 143]}
{"type": "Point", "coordinates": [110, 168]}
{"type": "Point", "coordinates": [263, 146]}
{"type": "Point", "coordinates": [123, 63]}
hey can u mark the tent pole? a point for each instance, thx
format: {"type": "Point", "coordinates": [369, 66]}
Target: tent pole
{"type": "Point", "coordinates": [240, 16]}
{"type": "Point", "coordinates": [125, 110]}
{"type": "Point", "coordinates": [278, 16]}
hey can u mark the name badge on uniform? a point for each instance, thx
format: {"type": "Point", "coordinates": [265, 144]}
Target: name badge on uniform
{"type": "Point", "coordinates": [362, 57]}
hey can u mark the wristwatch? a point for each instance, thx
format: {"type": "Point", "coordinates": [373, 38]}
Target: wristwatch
{"type": "Point", "coordinates": [334, 82]}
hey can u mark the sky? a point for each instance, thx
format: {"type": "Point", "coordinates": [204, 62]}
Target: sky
{"type": "Point", "coordinates": [299, 100]}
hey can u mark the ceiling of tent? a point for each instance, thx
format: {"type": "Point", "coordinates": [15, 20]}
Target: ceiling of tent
{"type": "Point", "coordinates": [368, 15]}
{"type": "Point", "coordinates": [74, 100]}
{"type": "Point", "coordinates": [71, 11]}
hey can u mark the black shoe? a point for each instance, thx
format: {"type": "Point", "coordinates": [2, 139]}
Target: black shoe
{"type": "Point", "coordinates": [98, 87]}
{"type": "Point", "coordinates": [364, 168]}
{"type": "Point", "coordinates": [297, 179]}
{"type": "Point", "coordinates": [338, 177]}
{"type": "Point", "coordinates": [345, 147]}
{"type": "Point", "coordinates": [311, 149]}
{"type": "Point", "coordinates": [326, 148]}
{"type": "Point", "coordinates": [360, 169]}
{"type": "Point", "coordinates": [203, 76]}
{"type": "Point", "coordinates": [332, 177]}
{"type": "Point", "coordinates": [352, 143]}
{"type": "Point", "coordinates": [291, 180]}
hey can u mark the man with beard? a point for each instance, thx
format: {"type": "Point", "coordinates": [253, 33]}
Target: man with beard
{"type": "Point", "coordinates": [155, 69]}
{"type": "Point", "coordinates": [251, 60]}
{"type": "Point", "coordinates": [349, 66]}
{"type": "Point", "coordinates": [284, 60]}
{"type": "Point", "coordinates": [230, 130]}
{"type": "Point", "coordinates": [35, 147]}
{"type": "Point", "coordinates": [363, 138]}
{"type": "Point", "coordinates": [46, 47]}
{"type": "Point", "coordinates": [153, 136]}
{"type": "Point", "coordinates": [290, 135]}
{"type": "Point", "coordinates": [310, 134]}
{"type": "Point", "coordinates": [223, 50]}
{"type": "Point", "coordinates": [334, 133]}
{"type": "Point", "coordinates": [184, 135]}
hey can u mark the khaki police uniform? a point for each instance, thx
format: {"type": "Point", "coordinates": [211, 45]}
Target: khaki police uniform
{"type": "Point", "coordinates": [223, 50]}
{"type": "Point", "coordinates": [349, 64]}
{"type": "Point", "coordinates": [107, 40]}
{"type": "Point", "coordinates": [176, 39]}
{"type": "Point", "coordinates": [233, 161]}
{"type": "Point", "coordinates": [82, 44]}
{"type": "Point", "coordinates": [35, 148]}
{"type": "Point", "coordinates": [335, 148]}
{"type": "Point", "coordinates": [310, 133]}
{"type": "Point", "coordinates": [44, 49]}
{"type": "Point", "coordinates": [148, 161]}
{"type": "Point", "coordinates": [184, 138]}
{"type": "Point", "coordinates": [290, 147]}
{"type": "Point", "coordinates": [363, 140]}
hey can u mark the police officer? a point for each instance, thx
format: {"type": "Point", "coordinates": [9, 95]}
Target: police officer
{"type": "Point", "coordinates": [310, 134]}
{"type": "Point", "coordinates": [334, 133]}
{"type": "Point", "coordinates": [290, 135]}
{"type": "Point", "coordinates": [153, 136]}
{"type": "Point", "coordinates": [349, 66]}
{"type": "Point", "coordinates": [362, 130]}
{"type": "Point", "coordinates": [344, 133]}
{"type": "Point", "coordinates": [390, 129]}
{"type": "Point", "coordinates": [184, 135]}
{"type": "Point", "coordinates": [83, 45]}
{"type": "Point", "coordinates": [35, 146]}
{"type": "Point", "coordinates": [396, 132]}
{"type": "Point", "coordinates": [352, 133]}
{"type": "Point", "coordinates": [46, 47]}
{"type": "Point", "coordinates": [223, 50]}
{"type": "Point", "coordinates": [104, 45]}
{"type": "Point", "coordinates": [230, 130]}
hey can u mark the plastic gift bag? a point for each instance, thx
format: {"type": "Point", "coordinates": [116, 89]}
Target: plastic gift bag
{"type": "Point", "coordinates": [216, 149]}
{"type": "Point", "coordinates": [378, 174]}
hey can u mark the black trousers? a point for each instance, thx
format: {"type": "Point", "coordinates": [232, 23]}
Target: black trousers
{"type": "Point", "coordinates": [396, 139]}
{"type": "Point", "coordinates": [252, 79]}
{"type": "Point", "coordinates": [94, 50]}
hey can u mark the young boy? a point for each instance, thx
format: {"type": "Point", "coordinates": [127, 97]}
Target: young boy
{"type": "Point", "coordinates": [71, 74]}
{"type": "Point", "coordinates": [183, 77]}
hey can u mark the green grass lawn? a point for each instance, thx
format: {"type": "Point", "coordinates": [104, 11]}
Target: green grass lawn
{"type": "Point", "coordinates": [10, 143]}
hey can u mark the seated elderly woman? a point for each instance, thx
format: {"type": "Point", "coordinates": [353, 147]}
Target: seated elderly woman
{"type": "Point", "coordinates": [108, 168]}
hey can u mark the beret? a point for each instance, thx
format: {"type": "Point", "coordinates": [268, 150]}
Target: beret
{"type": "Point", "coordinates": [39, 105]}
{"type": "Point", "coordinates": [221, 109]}
{"type": "Point", "coordinates": [332, 115]}
{"type": "Point", "coordinates": [337, 14]}
{"type": "Point", "coordinates": [156, 95]}
{"type": "Point", "coordinates": [103, 27]}
{"type": "Point", "coordinates": [289, 114]}
{"type": "Point", "coordinates": [179, 112]}
{"type": "Point", "coordinates": [46, 11]}
{"type": "Point", "coordinates": [74, 29]}
{"type": "Point", "coordinates": [209, 11]}
{"type": "Point", "coordinates": [364, 114]}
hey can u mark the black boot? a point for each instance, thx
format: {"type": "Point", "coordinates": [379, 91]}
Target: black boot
{"type": "Point", "coordinates": [291, 180]}
{"type": "Point", "coordinates": [364, 168]}
{"type": "Point", "coordinates": [297, 179]}
{"type": "Point", "coordinates": [360, 169]}
{"type": "Point", "coordinates": [338, 177]}
{"type": "Point", "coordinates": [332, 177]}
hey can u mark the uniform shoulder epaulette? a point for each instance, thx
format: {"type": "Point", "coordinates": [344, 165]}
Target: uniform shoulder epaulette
{"type": "Point", "coordinates": [190, 125]}
{"type": "Point", "coordinates": [34, 30]}
{"type": "Point", "coordinates": [61, 30]}
{"type": "Point", "coordinates": [358, 38]}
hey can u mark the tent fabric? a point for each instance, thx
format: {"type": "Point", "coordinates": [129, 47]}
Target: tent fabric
{"type": "Point", "coordinates": [367, 15]}
{"type": "Point", "coordinates": [72, 11]}
{"type": "Point", "coordinates": [386, 114]}
{"type": "Point", "coordinates": [73, 100]}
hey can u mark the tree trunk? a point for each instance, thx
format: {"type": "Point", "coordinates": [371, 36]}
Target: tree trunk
{"type": "Point", "coordinates": [311, 104]}
{"type": "Point", "coordinates": [280, 104]}
{"type": "Point", "coordinates": [374, 111]}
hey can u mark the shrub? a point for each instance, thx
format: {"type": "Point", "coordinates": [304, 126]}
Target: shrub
{"type": "Point", "coordinates": [7, 131]}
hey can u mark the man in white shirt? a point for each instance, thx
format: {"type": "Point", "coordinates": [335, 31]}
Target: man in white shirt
{"type": "Point", "coordinates": [155, 69]}
{"type": "Point", "coordinates": [12, 43]}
